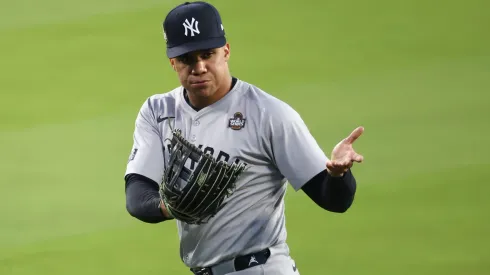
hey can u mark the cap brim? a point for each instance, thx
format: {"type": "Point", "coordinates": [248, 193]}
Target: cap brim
{"type": "Point", "coordinates": [195, 46]}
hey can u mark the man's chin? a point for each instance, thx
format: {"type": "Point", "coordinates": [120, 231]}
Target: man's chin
{"type": "Point", "coordinates": [200, 92]}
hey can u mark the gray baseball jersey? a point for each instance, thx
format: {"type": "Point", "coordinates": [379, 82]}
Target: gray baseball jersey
{"type": "Point", "coordinates": [247, 125]}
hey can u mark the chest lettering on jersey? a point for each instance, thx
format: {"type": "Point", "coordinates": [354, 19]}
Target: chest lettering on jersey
{"type": "Point", "coordinates": [209, 150]}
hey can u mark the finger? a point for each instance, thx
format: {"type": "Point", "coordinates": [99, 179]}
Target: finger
{"type": "Point", "coordinates": [357, 158]}
{"type": "Point", "coordinates": [354, 135]}
{"type": "Point", "coordinates": [340, 168]}
{"type": "Point", "coordinates": [333, 170]}
{"type": "Point", "coordinates": [329, 165]}
{"type": "Point", "coordinates": [334, 166]}
{"type": "Point", "coordinates": [345, 163]}
{"type": "Point", "coordinates": [338, 163]}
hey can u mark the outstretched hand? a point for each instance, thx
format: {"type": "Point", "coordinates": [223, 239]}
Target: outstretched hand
{"type": "Point", "coordinates": [343, 155]}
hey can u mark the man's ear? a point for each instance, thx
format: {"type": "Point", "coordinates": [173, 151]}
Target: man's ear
{"type": "Point", "coordinates": [172, 63]}
{"type": "Point", "coordinates": [227, 52]}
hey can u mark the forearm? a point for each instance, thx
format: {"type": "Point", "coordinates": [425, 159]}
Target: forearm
{"type": "Point", "coordinates": [143, 200]}
{"type": "Point", "coordinates": [335, 194]}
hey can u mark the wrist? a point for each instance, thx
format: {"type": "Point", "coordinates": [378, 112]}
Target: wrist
{"type": "Point", "coordinates": [164, 210]}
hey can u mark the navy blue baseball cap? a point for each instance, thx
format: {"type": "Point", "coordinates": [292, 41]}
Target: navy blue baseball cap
{"type": "Point", "coordinates": [193, 26]}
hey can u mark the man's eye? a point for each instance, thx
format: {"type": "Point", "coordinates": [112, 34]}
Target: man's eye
{"type": "Point", "coordinates": [183, 60]}
{"type": "Point", "coordinates": [207, 55]}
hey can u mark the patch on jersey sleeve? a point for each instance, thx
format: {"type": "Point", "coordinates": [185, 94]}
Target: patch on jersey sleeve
{"type": "Point", "coordinates": [237, 122]}
{"type": "Point", "coordinates": [133, 154]}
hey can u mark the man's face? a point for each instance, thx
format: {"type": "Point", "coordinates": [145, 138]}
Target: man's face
{"type": "Point", "coordinates": [203, 72]}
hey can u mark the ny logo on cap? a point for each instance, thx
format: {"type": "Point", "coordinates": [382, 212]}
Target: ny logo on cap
{"type": "Point", "coordinates": [192, 26]}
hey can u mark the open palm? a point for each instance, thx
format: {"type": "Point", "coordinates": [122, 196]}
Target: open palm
{"type": "Point", "coordinates": [343, 154]}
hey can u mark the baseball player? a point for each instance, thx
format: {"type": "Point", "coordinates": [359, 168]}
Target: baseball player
{"type": "Point", "coordinates": [216, 155]}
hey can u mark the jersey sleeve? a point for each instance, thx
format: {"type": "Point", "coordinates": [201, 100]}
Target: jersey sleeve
{"type": "Point", "coordinates": [146, 156]}
{"type": "Point", "coordinates": [294, 150]}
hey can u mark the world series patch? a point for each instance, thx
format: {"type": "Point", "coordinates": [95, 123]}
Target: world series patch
{"type": "Point", "coordinates": [237, 122]}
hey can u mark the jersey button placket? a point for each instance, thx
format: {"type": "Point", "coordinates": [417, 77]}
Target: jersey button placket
{"type": "Point", "coordinates": [196, 123]}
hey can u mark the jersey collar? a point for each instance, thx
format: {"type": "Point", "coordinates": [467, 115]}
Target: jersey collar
{"type": "Point", "coordinates": [227, 98]}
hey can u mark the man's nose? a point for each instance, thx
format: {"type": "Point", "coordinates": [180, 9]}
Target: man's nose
{"type": "Point", "coordinates": [199, 67]}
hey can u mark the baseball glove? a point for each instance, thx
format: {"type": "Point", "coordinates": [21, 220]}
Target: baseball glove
{"type": "Point", "coordinates": [196, 196]}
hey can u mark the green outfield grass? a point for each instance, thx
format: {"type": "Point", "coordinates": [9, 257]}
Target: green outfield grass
{"type": "Point", "coordinates": [416, 75]}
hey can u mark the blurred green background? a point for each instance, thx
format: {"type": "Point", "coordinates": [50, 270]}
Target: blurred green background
{"type": "Point", "coordinates": [415, 74]}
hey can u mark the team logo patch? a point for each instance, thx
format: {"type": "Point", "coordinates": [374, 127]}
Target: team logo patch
{"type": "Point", "coordinates": [237, 122]}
